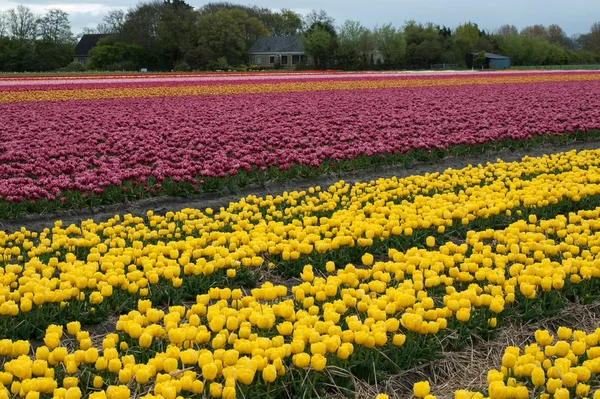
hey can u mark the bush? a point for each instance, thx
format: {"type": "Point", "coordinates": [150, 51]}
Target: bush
{"type": "Point", "coordinates": [72, 67]}
{"type": "Point", "coordinates": [122, 66]}
{"type": "Point", "coordinates": [181, 66]}
{"type": "Point", "coordinates": [303, 66]}
{"type": "Point", "coordinates": [220, 64]}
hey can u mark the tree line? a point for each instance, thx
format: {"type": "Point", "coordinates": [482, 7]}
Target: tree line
{"type": "Point", "coordinates": [30, 42]}
{"type": "Point", "coordinates": [165, 35]}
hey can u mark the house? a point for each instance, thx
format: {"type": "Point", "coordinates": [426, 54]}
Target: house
{"type": "Point", "coordinates": [494, 61]}
{"type": "Point", "coordinates": [283, 51]}
{"type": "Point", "coordinates": [86, 43]}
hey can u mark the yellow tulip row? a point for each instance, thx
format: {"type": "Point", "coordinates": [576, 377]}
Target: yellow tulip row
{"type": "Point", "coordinates": [562, 366]}
{"type": "Point", "coordinates": [132, 255]}
{"type": "Point", "coordinates": [228, 342]}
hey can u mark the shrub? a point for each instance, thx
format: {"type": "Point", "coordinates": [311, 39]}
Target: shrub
{"type": "Point", "coordinates": [72, 67]}
{"type": "Point", "coordinates": [181, 66]}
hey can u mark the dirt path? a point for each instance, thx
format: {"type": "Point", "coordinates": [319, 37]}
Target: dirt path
{"type": "Point", "coordinates": [215, 200]}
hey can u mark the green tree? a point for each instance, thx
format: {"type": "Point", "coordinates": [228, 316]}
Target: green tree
{"type": "Point", "coordinates": [286, 23]}
{"type": "Point", "coordinates": [229, 34]}
{"type": "Point", "coordinates": [348, 52]}
{"type": "Point", "coordinates": [391, 45]}
{"type": "Point", "coordinates": [117, 56]}
{"type": "Point", "coordinates": [50, 56]}
{"type": "Point", "coordinates": [199, 58]}
{"type": "Point", "coordinates": [318, 19]}
{"type": "Point", "coordinates": [591, 40]}
{"type": "Point", "coordinates": [466, 40]}
{"type": "Point", "coordinates": [278, 23]}
{"type": "Point", "coordinates": [320, 44]}
{"type": "Point", "coordinates": [176, 31]}
{"type": "Point", "coordinates": [479, 60]}
{"type": "Point", "coordinates": [141, 25]}
{"type": "Point", "coordinates": [16, 56]}
{"type": "Point", "coordinates": [423, 45]}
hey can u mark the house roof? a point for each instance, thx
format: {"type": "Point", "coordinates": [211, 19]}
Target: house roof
{"type": "Point", "coordinates": [493, 56]}
{"type": "Point", "coordinates": [278, 44]}
{"type": "Point", "coordinates": [86, 43]}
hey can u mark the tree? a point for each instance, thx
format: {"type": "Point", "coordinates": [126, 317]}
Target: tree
{"type": "Point", "coordinates": [320, 44]}
{"type": "Point", "coordinates": [117, 56]}
{"type": "Point", "coordinates": [466, 39]}
{"type": "Point", "coordinates": [176, 31]}
{"type": "Point", "coordinates": [3, 24]}
{"type": "Point", "coordinates": [391, 45]}
{"type": "Point", "coordinates": [556, 35]}
{"type": "Point", "coordinates": [199, 58]}
{"type": "Point", "coordinates": [318, 19]}
{"type": "Point", "coordinates": [287, 23]}
{"type": "Point", "coordinates": [113, 22]}
{"type": "Point", "coordinates": [348, 52]}
{"type": "Point", "coordinates": [423, 45]}
{"type": "Point", "coordinates": [507, 30]}
{"type": "Point", "coordinates": [591, 40]}
{"type": "Point", "coordinates": [54, 27]}
{"type": "Point", "coordinates": [229, 34]}
{"type": "Point", "coordinates": [22, 24]}
{"type": "Point", "coordinates": [479, 61]}
{"type": "Point", "coordinates": [141, 25]}
{"type": "Point", "coordinates": [279, 23]}
{"type": "Point", "coordinates": [535, 31]}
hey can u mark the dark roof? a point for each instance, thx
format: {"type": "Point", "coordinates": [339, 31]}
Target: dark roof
{"type": "Point", "coordinates": [493, 56]}
{"type": "Point", "coordinates": [278, 44]}
{"type": "Point", "coordinates": [86, 43]}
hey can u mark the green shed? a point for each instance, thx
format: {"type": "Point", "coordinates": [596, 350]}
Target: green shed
{"type": "Point", "coordinates": [495, 61]}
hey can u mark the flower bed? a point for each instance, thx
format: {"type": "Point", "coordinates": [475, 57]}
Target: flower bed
{"type": "Point", "coordinates": [76, 153]}
{"type": "Point", "coordinates": [400, 269]}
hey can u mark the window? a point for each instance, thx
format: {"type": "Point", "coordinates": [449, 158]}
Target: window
{"type": "Point", "coordinates": [258, 60]}
{"type": "Point", "coordinates": [295, 59]}
{"type": "Point", "coordinates": [272, 59]}
{"type": "Point", "coordinates": [284, 60]}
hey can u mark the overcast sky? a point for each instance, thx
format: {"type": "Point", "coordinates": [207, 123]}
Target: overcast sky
{"type": "Point", "coordinates": [574, 16]}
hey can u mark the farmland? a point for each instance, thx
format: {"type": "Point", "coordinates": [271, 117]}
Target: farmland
{"type": "Point", "coordinates": [345, 289]}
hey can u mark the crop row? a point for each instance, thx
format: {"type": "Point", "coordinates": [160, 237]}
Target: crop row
{"type": "Point", "coordinates": [286, 87]}
{"type": "Point", "coordinates": [110, 264]}
{"type": "Point", "coordinates": [184, 80]}
{"type": "Point", "coordinates": [75, 153]}
{"type": "Point", "coordinates": [369, 319]}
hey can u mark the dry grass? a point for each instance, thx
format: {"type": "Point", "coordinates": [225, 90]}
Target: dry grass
{"type": "Point", "coordinates": [468, 369]}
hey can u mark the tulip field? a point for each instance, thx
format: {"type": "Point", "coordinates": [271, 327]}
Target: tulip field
{"type": "Point", "coordinates": [299, 293]}
{"type": "Point", "coordinates": [76, 142]}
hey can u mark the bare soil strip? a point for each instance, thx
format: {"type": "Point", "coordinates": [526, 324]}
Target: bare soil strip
{"type": "Point", "coordinates": [467, 369]}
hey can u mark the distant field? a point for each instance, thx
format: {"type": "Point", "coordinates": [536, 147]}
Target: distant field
{"type": "Point", "coordinates": [557, 67]}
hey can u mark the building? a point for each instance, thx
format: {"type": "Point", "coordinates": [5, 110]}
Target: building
{"type": "Point", "coordinates": [278, 51]}
{"type": "Point", "coordinates": [494, 61]}
{"type": "Point", "coordinates": [86, 43]}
